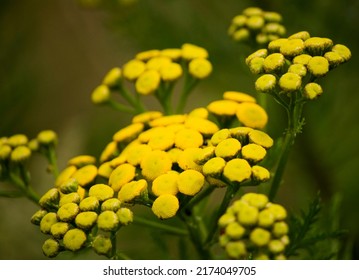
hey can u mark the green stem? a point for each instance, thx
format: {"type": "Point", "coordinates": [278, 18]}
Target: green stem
{"type": "Point", "coordinates": [52, 159]}
{"type": "Point", "coordinates": [113, 239]}
{"type": "Point", "coordinates": [189, 84]}
{"type": "Point", "coordinates": [134, 101]}
{"type": "Point", "coordinates": [120, 107]}
{"type": "Point", "coordinates": [163, 96]}
{"type": "Point", "coordinates": [294, 113]}
{"type": "Point", "coordinates": [228, 196]}
{"type": "Point", "coordinates": [27, 190]}
{"type": "Point", "coordinates": [199, 197]}
{"type": "Point", "coordinates": [11, 194]}
{"type": "Point", "coordinates": [166, 228]}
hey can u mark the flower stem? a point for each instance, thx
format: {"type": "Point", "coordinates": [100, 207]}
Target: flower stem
{"type": "Point", "coordinates": [166, 228]}
{"type": "Point", "coordinates": [189, 84]}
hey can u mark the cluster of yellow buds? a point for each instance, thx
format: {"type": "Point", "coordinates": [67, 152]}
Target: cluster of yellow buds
{"type": "Point", "coordinates": [255, 26]}
{"type": "Point", "coordinates": [17, 149]}
{"type": "Point", "coordinates": [293, 64]}
{"type": "Point", "coordinates": [154, 72]}
{"type": "Point", "coordinates": [79, 212]}
{"type": "Point", "coordinates": [254, 228]}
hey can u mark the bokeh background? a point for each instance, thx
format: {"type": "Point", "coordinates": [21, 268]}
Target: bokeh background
{"type": "Point", "coordinates": [53, 53]}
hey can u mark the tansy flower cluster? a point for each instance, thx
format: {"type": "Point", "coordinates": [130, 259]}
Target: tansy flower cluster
{"type": "Point", "coordinates": [254, 228]}
{"type": "Point", "coordinates": [78, 212]}
{"type": "Point", "coordinates": [294, 64]}
{"type": "Point", "coordinates": [255, 26]}
{"type": "Point", "coordinates": [154, 72]}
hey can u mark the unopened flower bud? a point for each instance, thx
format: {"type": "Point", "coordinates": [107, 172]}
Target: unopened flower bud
{"type": "Point", "coordinates": [125, 216]}
{"type": "Point", "coordinates": [51, 248]}
{"type": "Point", "coordinates": [318, 66]}
{"type": "Point", "coordinates": [37, 217]}
{"type": "Point", "coordinates": [112, 78]}
{"type": "Point", "coordinates": [74, 239]}
{"type": "Point", "coordinates": [20, 154]}
{"type": "Point", "coordinates": [69, 186]}
{"type": "Point", "coordinates": [102, 245]}
{"type": "Point", "coordinates": [266, 83]}
{"type": "Point", "coordinates": [47, 137]}
{"type": "Point", "coordinates": [108, 221]}
{"type": "Point", "coordinates": [312, 91]}
{"type": "Point", "coordinates": [290, 82]}
{"type": "Point", "coordinates": [100, 95]}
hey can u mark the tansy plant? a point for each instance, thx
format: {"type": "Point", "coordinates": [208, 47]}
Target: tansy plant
{"type": "Point", "coordinates": [190, 167]}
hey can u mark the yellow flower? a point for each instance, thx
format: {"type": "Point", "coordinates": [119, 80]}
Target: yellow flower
{"type": "Point", "coordinates": [128, 133]}
{"type": "Point", "coordinates": [226, 219]}
{"type": "Point", "coordinates": [165, 206]}
{"type": "Point", "coordinates": [37, 217]}
{"type": "Point", "coordinates": [273, 62]}
{"type": "Point", "coordinates": [101, 191]}
{"type": "Point", "coordinates": [146, 55]}
{"type": "Point", "coordinates": [318, 66]}
{"type": "Point", "coordinates": [253, 152]}
{"type": "Point", "coordinates": [5, 151]}
{"type": "Point", "coordinates": [89, 203]}
{"type": "Point", "coordinates": [238, 96]}
{"type": "Point", "coordinates": [17, 140]}
{"type": "Point", "coordinates": [290, 82]}
{"type": "Point", "coordinates": [167, 120]}
{"type": "Point", "coordinates": [188, 138]}
{"type": "Point", "coordinates": [148, 82]}
{"type": "Point", "coordinates": [173, 54]}
{"type": "Point", "coordinates": [252, 11]}
{"type": "Point", "coordinates": [136, 153]}
{"type": "Point", "coordinates": [188, 159]}
{"type": "Point", "coordinates": [276, 246]}
{"type": "Point", "coordinates": [69, 198]}
{"type": "Point", "coordinates": [121, 159]}
{"type": "Point", "coordinates": [133, 69]}
{"type": "Point", "coordinates": [165, 184]}
{"type": "Point", "coordinates": [278, 211]}
{"type": "Point", "coordinates": [102, 245]}
{"type": "Point", "coordinates": [265, 218]}
{"type": "Point", "coordinates": [86, 220]}
{"type": "Point", "coordinates": [280, 229]}
{"type": "Point", "coordinates": [275, 45]}
{"type": "Point", "coordinates": [228, 148]}
{"type": "Point", "coordinates": [223, 107]}
{"type": "Point", "coordinates": [236, 249]}
{"type": "Point", "coordinates": [105, 170]}
{"type": "Point", "coordinates": [214, 167]}
{"type": "Point", "coordinates": [259, 53]}
{"type": "Point", "coordinates": [298, 69]}
{"type": "Point", "coordinates": [109, 152]}
{"type": "Point", "coordinates": [252, 115]}
{"type": "Point", "coordinates": [171, 72]}
{"type": "Point", "coordinates": [304, 35]}
{"type": "Point", "coordinates": [302, 59]}
{"type": "Point", "coordinates": [113, 77]}
{"type": "Point", "coordinates": [266, 83]}
{"type": "Point", "coordinates": [220, 135]}
{"type": "Point", "coordinates": [242, 34]}
{"type": "Point", "coordinates": [85, 175]}
{"type": "Point", "coordinates": [163, 139]}
{"type": "Point", "coordinates": [312, 90]}
{"type": "Point", "coordinates": [200, 112]}
{"type": "Point", "coordinates": [51, 248]}
{"type": "Point", "coordinates": [123, 174]}
{"type": "Point", "coordinates": [292, 47]}
{"type": "Point", "coordinates": [107, 221]}
{"type": "Point", "coordinates": [343, 51]}
{"type": "Point", "coordinates": [255, 22]}
{"type": "Point", "coordinates": [131, 190]}
{"type": "Point", "coordinates": [146, 116]}
{"type": "Point", "coordinates": [125, 216]}
{"type": "Point", "coordinates": [239, 20]}
{"type": "Point", "coordinates": [205, 127]}
{"type": "Point", "coordinates": [205, 154]}
{"type": "Point", "coordinates": [200, 68]}
{"type": "Point", "coordinates": [234, 230]}
{"type": "Point", "coordinates": [74, 239]}
{"type": "Point", "coordinates": [256, 65]}
{"type": "Point", "coordinates": [260, 173]}
{"type": "Point", "coordinates": [190, 51]}
{"type": "Point", "coordinates": [190, 182]}
{"type": "Point", "coordinates": [20, 154]}
{"type": "Point", "coordinates": [82, 160]}
{"type": "Point", "coordinates": [334, 59]}
{"type": "Point", "coordinates": [248, 215]}
{"type": "Point", "coordinates": [237, 170]}
{"type": "Point", "coordinates": [156, 63]}
{"type": "Point", "coordinates": [112, 204]}
{"type": "Point", "coordinates": [317, 45]}
{"type": "Point", "coordinates": [240, 132]}
{"type": "Point", "coordinates": [255, 199]}
{"type": "Point", "coordinates": [101, 95]}
{"type": "Point", "coordinates": [69, 186]}
{"type": "Point", "coordinates": [47, 221]}
{"type": "Point", "coordinates": [47, 137]}
{"type": "Point", "coordinates": [68, 212]}
{"type": "Point", "coordinates": [260, 237]}
{"type": "Point", "coordinates": [260, 138]}
{"type": "Point", "coordinates": [50, 198]}
{"type": "Point", "coordinates": [155, 164]}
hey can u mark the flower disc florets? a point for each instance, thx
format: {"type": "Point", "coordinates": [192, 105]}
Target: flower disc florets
{"type": "Point", "coordinates": [253, 227]}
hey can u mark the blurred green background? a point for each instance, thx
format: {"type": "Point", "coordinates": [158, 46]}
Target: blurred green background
{"type": "Point", "coordinates": [53, 53]}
